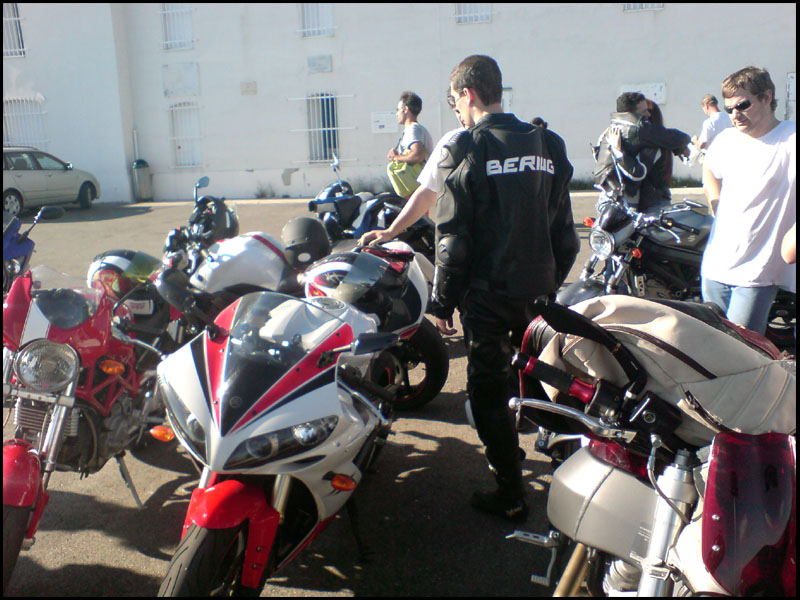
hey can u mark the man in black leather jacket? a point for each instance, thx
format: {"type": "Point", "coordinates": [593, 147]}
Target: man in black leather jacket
{"type": "Point", "coordinates": [504, 237]}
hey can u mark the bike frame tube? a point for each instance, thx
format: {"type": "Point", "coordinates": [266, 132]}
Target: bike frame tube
{"type": "Point", "coordinates": [228, 504]}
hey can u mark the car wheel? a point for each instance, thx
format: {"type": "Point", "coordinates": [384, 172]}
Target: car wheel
{"type": "Point", "coordinates": [86, 195]}
{"type": "Point", "coordinates": [12, 202]}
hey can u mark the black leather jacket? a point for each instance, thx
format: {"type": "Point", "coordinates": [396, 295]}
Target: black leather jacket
{"type": "Point", "coordinates": [507, 204]}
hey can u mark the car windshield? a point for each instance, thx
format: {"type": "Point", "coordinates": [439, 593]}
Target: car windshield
{"type": "Point", "coordinates": [63, 300]}
{"type": "Point", "coordinates": [270, 336]}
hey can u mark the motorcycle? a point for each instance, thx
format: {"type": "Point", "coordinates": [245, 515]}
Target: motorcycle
{"type": "Point", "coordinates": [284, 406]}
{"type": "Point", "coordinates": [217, 275]}
{"type": "Point", "coordinates": [657, 504]}
{"type": "Point", "coordinates": [78, 392]}
{"type": "Point", "coordinates": [18, 247]}
{"type": "Point", "coordinates": [658, 257]}
{"type": "Point", "coordinates": [347, 216]}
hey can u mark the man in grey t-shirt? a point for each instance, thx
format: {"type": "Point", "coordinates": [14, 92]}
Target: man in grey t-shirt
{"type": "Point", "coordinates": [415, 143]}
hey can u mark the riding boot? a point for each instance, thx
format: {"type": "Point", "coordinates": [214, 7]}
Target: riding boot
{"type": "Point", "coordinates": [508, 500]}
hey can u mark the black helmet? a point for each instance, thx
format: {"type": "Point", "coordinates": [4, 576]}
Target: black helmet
{"type": "Point", "coordinates": [216, 219]}
{"type": "Point", "coordinates": [304, 242]}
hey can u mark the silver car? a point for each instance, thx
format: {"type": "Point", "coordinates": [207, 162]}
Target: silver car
{"type": "Point", "coordinates": [33, 178]}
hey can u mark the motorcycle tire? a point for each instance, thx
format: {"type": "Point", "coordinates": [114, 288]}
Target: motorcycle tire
{"type": "Point", "coordinates": [208, 562]}
{"type": "Point", "coordinates": [15, 524]}
{"type": "Point", "coordinates": [425, 353]}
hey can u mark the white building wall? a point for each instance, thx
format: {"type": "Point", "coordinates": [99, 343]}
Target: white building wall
{"type": "Point", "coordinates": [71, 60]}
{"type": "Point", "coordinates": [564, 62]}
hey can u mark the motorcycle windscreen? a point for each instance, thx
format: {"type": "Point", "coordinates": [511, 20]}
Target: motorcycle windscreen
{"type": "Point", "coordinates": [271, 355]}
{"type": "Point", "coordinates": [62, 300]}
{"type": "Point", "coordinates": [749, 529]}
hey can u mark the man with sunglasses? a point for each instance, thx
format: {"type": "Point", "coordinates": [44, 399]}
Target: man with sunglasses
{"type": "Point", "coordinates": [749, 177]}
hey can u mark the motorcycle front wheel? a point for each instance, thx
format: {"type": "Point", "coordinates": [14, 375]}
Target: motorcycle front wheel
{"type": "Point", "coordinates": [420, 368]}
{"type": "Point", "coordinates": [208, 562]}
{"type": "Point", "coordinates": [15, 524]}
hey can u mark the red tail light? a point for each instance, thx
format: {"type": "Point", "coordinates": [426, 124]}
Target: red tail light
{"type": "Point", "coordinates": [749, 514]}
{"type": "Point", "coordinates": [614, 454]}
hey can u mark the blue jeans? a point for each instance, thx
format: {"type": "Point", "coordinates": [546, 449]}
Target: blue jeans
{"type": "Point", "coordinates": [746, 306]}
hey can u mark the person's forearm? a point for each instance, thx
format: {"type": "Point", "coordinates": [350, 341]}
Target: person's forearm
{"type": "Point", "coordinates": [712, 188]}
{"type": "Point", "coordinates": [420, 202]}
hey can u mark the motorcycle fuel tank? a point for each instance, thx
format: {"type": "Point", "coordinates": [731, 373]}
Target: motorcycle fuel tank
{"type": "Point", "coordinates": [601, 506]}
{"type": "Point", "coordinates": [254, 258]}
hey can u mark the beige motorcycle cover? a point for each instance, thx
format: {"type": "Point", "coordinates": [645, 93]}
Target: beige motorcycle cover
{"type": "Point", "coordinates": [715, 379]}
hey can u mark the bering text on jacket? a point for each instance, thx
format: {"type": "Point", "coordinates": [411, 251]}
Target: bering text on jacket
{"type": "Point", "coordinates": [517, 164]}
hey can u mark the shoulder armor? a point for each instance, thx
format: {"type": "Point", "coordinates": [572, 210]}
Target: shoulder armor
{"type": "Point", "coordinates": [455, 150]}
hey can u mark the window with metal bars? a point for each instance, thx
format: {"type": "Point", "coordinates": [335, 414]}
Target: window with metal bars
{"type": "Point", "coordinates": [176, 26]}
{"type": "Point", "coordinates": [316, 19]}
{"type": "Point", "coordinates": [184, 123]}
{"type": "Point", "coordinates": [323, 135]}
{"type": "Point", "coordinates": [473, 12]}
{"type": "Point", "coordinates": [23, 122]}
{"type": "Point", "coordinates": [13, 44]}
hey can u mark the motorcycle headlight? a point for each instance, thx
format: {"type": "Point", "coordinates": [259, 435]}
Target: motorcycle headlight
{"type": "Point", "coordinates": [45, 366]}
{"type": "Point", "coordinates": [184, 423]}
{"type": "Point", "coordinates": [602, 243]}
{"type": "Point", "coordinates": [274, 445]}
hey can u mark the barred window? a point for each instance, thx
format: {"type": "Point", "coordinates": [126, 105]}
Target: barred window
{"type": "Point", "coordinates": [23, 122]}
{"type": "Point", "coordinates": [475, 12]}
{"type": "Point", "coordinates": [184, 124]}
{"type": "Point", "coordinates": [176, 23]}
{"type": "Point", "coordinates": [13, 44]}
{"type": "Point", "coordinates": [642, 6]}
{"type": "Point", "coordinates": [316, 19]}
{"type": "Point", "coordinates": [322, 117]}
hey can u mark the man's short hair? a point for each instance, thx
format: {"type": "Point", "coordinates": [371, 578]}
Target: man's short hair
{"type": "Point", "coordinates": [627, 102]}
{"type": "Point", "coordinates": [710, 100]}
{"type": "Point", "coordinates": [411, 101]}
{"type": "Point", "coordinates": [480, 73]}
{"type": "Point", "coordinates": [754, 80]}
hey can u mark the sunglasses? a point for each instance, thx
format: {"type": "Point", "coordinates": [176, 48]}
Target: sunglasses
{"type": "Point", "coordinates": [741, 107]}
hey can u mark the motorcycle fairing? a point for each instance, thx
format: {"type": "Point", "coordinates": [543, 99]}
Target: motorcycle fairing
{"type": "Point", "coordinates": [749, 524]}
{"type": "Point", "coordinates": [257, 368]}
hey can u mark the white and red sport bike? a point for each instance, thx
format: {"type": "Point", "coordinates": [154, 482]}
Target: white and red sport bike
{"type": "Point", "coordinates": [285, 404]}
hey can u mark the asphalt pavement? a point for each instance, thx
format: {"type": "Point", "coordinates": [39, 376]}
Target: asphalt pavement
{"type": "Point", "coordinates": [413, 512]}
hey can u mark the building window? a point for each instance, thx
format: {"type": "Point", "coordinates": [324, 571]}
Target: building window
{"type": "Point", "coordinates": [642, 6]}
{"type": "Point", "coordinates": [13, 44]}
{"type": "Point", "coordinates": [316, 19]}
{"type": "Point", "coordinates": [323, 134]}
{"type": "Point", "coordinates": [184, 125]}
{"type": "Point", "coordinates": [23, 122]}
{"type": "Point", "coordinates": [176, 25]}
{"type": "Point", "coordinates": [476, 12]}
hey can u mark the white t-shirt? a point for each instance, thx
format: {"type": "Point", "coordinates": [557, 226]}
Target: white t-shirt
{"type": "Point", "coordinates": [411, 134]}
{"type": "Point", "coordinates": [713, 126]}
{"type": "Point", "coordinates": [757, 206]}
{"type": "Point", "coordinates": [432, 177]}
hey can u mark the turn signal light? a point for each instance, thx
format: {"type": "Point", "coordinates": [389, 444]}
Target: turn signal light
{"type": "Point", "coordinates": [112, 367]}
{"type": "Point", "coordinates": [589, 222]}
{"type": "Point", "coordinates": [636, 253]}
{"type": "Point", "coordinates": [343, 483]}
{"type": "Point", "coordinates": [162, 433]}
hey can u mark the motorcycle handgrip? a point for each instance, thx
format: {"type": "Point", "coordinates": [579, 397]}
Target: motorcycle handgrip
{"type": "Point", "coordinates": [668, 222]}
{"type": "Point", "coordinates": [552, 376]}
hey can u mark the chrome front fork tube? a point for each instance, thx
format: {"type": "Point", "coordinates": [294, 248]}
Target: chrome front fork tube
{"type": "Point", "coordinates": [677, 484]}
{"type": "Point", "coordinates": [51, 444]}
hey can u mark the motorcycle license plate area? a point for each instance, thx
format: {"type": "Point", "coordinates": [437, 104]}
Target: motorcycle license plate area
{"type": "Point", "coordinates": [749, 518]}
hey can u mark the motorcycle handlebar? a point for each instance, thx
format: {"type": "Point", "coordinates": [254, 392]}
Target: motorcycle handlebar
{"type": "Point", "coordinates": [561, 380]}
{"type": "Point", "coordinates": [671, 223]}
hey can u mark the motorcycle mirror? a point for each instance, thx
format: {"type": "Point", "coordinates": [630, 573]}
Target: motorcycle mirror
{"type": "Point", "coordinates": [201, 183]}
{"type": "Point", "coordinates": [367, 343]}
{"type": "Point", "coordinates": [335, 162]}
{"type": "Point", "coordinates": [50, 213]}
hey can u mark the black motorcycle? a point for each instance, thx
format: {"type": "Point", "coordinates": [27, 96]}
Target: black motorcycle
{"type": "Point", "coordinates": [659, 256]}
{"type": "Point", "coordinates": [347, 216]}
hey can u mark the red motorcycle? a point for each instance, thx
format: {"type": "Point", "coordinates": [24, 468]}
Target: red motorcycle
{"type": "Point", "coordinates": [81, 392]}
